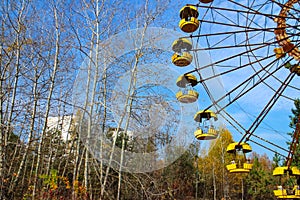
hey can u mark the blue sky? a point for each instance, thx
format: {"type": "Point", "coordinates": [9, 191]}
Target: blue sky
{"type": "Point", "coordinates": [245, 110]}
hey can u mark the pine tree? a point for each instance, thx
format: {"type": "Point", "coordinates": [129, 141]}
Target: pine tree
{"type": "Point", "coordinates": [260, 181]}
{"type": "Point", "coordinates": [294, 119]}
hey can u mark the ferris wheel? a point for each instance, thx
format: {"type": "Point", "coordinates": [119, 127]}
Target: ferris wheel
{"type": "Point", "coordinates": [254, 47]}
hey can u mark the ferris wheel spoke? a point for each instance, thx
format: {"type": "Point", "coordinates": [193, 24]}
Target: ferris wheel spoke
{"type": "Point", "coordinates": [267, 148]}
{"type": "Point", "coordinates": [244, 91]}
{"type": "Point", "coordinates": [235, 25]}
{"type": "Point", "coordinates": [266, 72]}
{"type": "Point", "coordinates": [233, 68]}
{"type": "Point", "coordinates": [232, 46]}
{"type": "Point", "coordinates": [246, 10]}
{"type": "Point", "coordinates": [221, 110]}
{"type": "Point", "coordinates": [294, 143]}
{"type": "Point", "coordinates": [254, 10]}
{"type": "Point", "coordinates": [295, 28]}
{"type": "Point", "coordinates": [292, 16]}
{"type": "Point", "coordinates": [198, 68]}
{"type": "Point", "coordinates": [235, 32]}
{"type": "Point", "coordinates": [252, 52]}
{"type": "Point", "coordinates": [254, 44]}
{"type": "Point", "coordinates": [242, 85]}
{"type": "Point", "coordinates": [233, 123]}
{"type": "Point", "coordinates": [268, 107]}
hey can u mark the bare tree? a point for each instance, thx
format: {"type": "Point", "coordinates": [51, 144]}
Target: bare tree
{"type": "Point", "coordinates": [11, 61]}
{"type": "Point", "coordinates": [57, 35]}
{"type": "Point", "coordinates": [36, 69]}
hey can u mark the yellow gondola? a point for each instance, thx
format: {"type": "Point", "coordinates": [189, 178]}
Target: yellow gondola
{"type": "Point", "coordinates": [182, 59]}
{"type": "Point", "coordinates": [182, 44]}
{"type": "Point", "coordinates": [283, 192]}
{"type": "Point", "coordinates": [208, 114]}
{"type": "Point", "coordinates": [185, 80]}
{"type": "Point", "coordinates": [240, 164]}
{"type": "Point", "coordinates": [188, 94]}
{"type": "Point", "coordinates": [205, 131]}
{"type": "Point", "coordinates": [278, 171]}
{"type": "Point", "coordinates": [210, 134]}
{"type": "Point", "coordinates": [189, 22]}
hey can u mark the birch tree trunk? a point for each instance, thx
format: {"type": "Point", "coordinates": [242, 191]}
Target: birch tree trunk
{"type": "Point", "coordinates": [128, 104]}
{"type": "Point", "coordinates": [2, 132]}
{"type": "Point", "coordinates": [92, 102]}
{"type": "Point", "coordinates": [5, 131]}
{"type": "Point", "coordinates": [48, 106]}
{"type": "Point", "coordinates": [85, 109]}
{"type": "Point", "coordinates": [2, 136]}
{"type": "Point", "coordinates": [31, 132]}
